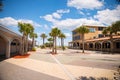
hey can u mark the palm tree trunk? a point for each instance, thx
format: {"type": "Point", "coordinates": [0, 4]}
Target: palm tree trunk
{"type": "Point", "coordinates": [83, 42]}
{"type": "Point", "coordinates": [111, 39]}
{"type": "Point", "coordinates": [50, 44]}
{"type": "Point", "coordinates": [26, 49]}
{"type": "Point", "coordinates": [61, 43]}
{"type": "Point", "coordinates": [111, 36]}
{"type": "Point", "coordinates": [55, 46]}
{"type": "Point", "coordinates": [23, 44]}
{"type": "Point", "coordinates": [43, 41]}
{"type": "Point", "coordinates": [33, 42]}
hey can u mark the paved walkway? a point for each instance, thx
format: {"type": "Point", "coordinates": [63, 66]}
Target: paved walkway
{"type": "Point", "coordinates": [30, 69]}
{"type": "Point", "coordinates": [67, 65]}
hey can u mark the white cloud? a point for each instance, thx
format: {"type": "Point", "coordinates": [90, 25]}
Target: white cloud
{"type": "Point", "coordinates": [63, 11]}
{"type": "Point", "coordinates": [73, 23]}
{"type": "Point", "coordinates": [104, 17]}
{"type": "Point", "coordinates": [48, 17]}
{"type": "Point", "coordinates": [67, 34]}
{"type": "Point", "coordinates": [29, 21]}
{"type": "Point", "coordinates": [9, 21]}
{"type": "Point", "coordinates": [108, 16]}
{"type": "Point", "coordinates": [70, 23]}
{"type": "Point", "coordinates": [85, 4]}
{"type": "Point", "coordinates": [56, 15]}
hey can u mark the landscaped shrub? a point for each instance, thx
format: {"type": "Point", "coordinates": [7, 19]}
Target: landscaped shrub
{"type": "Point", "coordinates": [63, 48]}
{"type": "Point", "coordinates": [43, 46]}
{"type": "Point", "coordinates": [33, 49]}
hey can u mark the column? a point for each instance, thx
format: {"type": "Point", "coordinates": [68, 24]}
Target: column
{"type": "Point", "coordinates": [101, 45]}
{"type": "Point", "coordinates": [75, 45]}
{"type": "Point", "coordinates": [87, 46]}
{"type": "Point", "coordinates": [8, 50]}
{"type": "Point", "coordinates": [111, 47]}
{"type": "Point", "coordinates": [93, 46]}
{"type": "Point", "coordinates": [79, 45]}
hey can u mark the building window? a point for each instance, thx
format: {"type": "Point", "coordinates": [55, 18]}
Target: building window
{"type": "Point", "coordinates": [92, 29]}
{"type": "Point", "coordinates": [100, 35]}
{"type": "Point", "coordinates": [13, 44]}
{"type": "Point", "coordinates": [76, 38]}
{"type": "Point", "coordinates": [100, 28]}
{"type": "Point", "coordinates": [74, 32]}
{"type": "Point", "coordinates": [117, 45]}
{"type": "Point", "coordinates": [90, 45]}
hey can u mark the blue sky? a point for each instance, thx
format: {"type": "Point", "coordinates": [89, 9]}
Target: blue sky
{"type": "Point", "coordinates": [64, 14]}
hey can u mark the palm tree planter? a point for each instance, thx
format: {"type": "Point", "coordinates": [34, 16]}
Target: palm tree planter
{"type": "Point", "coordinates": [82, 30]}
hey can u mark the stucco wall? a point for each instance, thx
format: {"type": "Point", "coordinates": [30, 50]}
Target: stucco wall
{"type": "Point", "coordinates": [2, 46]}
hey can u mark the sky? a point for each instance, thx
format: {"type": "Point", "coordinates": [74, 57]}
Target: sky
{"type": "Point", "coordinates": [64, 14]}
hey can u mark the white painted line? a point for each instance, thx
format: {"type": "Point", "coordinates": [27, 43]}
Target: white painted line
{"type": "Point", "coordinates": [64, 69]}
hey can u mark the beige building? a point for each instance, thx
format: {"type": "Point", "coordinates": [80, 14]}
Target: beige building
{"type": "Point", "coordinates": [95, 40]}
{"type": "Point", "coordinates": [10, 42]}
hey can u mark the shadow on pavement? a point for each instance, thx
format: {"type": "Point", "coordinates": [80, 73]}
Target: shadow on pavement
{"type": "Point", "coordinates": [2, 57]}
{"type": "Point", "coordinates": [91, 78]}
{"type": "Point", "coordinates": [9, 71]}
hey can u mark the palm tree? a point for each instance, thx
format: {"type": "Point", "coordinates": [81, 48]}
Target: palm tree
{"type": "Point", "coordinates": [29, 30]}
{"type": "Point", "coordinates": [104, 32]}
{"type": "Point", "coordinates": [43, 36]}
{"type": "Point", "coordinates": [62, 36]}
{"type": "Point", "coordinates": [50, 41]}
{"type": "Point", "coordinates": [51, 34]}
{"type": "Point", "coordinates": [116, 27]}
{"type": "Point", "coordinates": [33, 36]}
{"type": "Point", "coordinates": [110, 30]}
{"type": "Point", "coordinates": [25, 29]}
{"type": "Point", "coordinates": [22, 29]}
{"type": "Point", "coordinates": [54, 33]}
{"type": "Point", "coordinates": [82, 30]}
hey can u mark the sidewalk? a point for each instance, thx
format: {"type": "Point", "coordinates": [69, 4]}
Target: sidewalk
{"type": "Point", "coordinates": [30, 69]}
{"type": "Point", "coordinates": [41, 66]}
